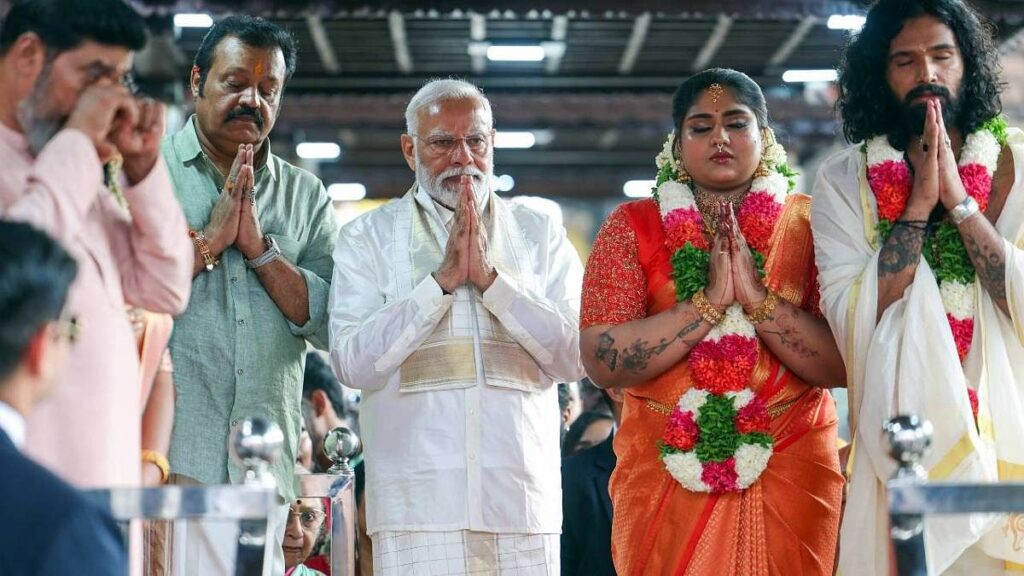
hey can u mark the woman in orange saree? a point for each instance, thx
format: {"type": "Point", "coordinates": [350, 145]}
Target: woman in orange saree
{"type": "Point", "coordinates": [727, 460]}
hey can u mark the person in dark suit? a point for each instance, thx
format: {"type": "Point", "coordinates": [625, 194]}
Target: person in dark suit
{"type": "Point", "coordinates": [587, 506]}
{"type": "Point", "coordinates": [48, 528]}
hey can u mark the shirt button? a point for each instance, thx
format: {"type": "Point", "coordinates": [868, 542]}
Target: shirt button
{"type": "Point", "coordinates": [472, 456]}
{"type": "Point", "coordinates": [234, 279]}
{"type": "Point", "coordinates": [239, 371]}
{"type": "Point", "coordinates": [234, 423]}
{"type": "Point", "coordinates": [241, 322]}
{"type": "Point", "coordinates": [472, 411]}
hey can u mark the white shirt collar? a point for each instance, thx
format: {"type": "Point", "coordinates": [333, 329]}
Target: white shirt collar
{"type": "Point", "coordinates": [13, 424]}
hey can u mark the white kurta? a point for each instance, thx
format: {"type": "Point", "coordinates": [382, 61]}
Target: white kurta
{"type": "Point", "coordinates": [908, 363]}
{"type": "Point", "coordinates": [481, 457]}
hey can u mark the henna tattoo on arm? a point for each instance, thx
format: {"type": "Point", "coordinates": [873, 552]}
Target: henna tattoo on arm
{"type": "Point", "coordinates": [990, 264]}
{"type": "Point", "coordinates": [901, 250]}
{"type": "Point", "coordinates": [636, 356]}
{"type": "Point", "coordinates": [788, 334]}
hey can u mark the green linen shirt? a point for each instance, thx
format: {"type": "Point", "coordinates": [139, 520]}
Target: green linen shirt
{"type": "Point", "coordinates": [235, 354]}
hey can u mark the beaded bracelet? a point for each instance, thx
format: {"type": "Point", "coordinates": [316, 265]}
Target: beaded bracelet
{"type": "Point", "coordinates": [705, 308]}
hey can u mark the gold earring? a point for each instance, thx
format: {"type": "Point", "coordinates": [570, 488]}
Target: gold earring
{"type": "Point", "coordinates": [767, 140]}
{"type": "Point", "coordinates": [682, 176]}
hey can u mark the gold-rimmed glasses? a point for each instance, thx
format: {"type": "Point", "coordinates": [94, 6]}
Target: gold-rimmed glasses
{"type": "Point", "coordinates": [444, 145]}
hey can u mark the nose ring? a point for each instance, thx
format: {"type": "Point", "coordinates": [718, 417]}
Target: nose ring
{"type": "Point", "coordinates": [720, 146]}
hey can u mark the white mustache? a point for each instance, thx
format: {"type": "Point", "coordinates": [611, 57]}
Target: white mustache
{"type": "Point", "coordinates": [452, 172]}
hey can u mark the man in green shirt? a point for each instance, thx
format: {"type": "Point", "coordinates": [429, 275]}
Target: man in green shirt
{"type": "Point", "coordinates": [263, 232]}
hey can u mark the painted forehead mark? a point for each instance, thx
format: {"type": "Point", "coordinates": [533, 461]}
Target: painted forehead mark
{"type": "Point", "coordinates": [258, 69]}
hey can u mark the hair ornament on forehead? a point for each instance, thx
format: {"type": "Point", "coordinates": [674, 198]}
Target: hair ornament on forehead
{"type": "Point", "coordinates": [715, 91]}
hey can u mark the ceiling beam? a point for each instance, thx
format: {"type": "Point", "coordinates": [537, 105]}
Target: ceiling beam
{"type": "Point", "coordinates": [512, 82]}
{"type": "Point", "coordinates": [559, 30]}
{"type": "Point", "coordinates": [396, 24]}
{"type": "Point", "coordinates": [713, 43]}
{"type": "Point", "coordinates": [328, 59]}
{"type": "Point", "coordinates": [478, 33]}
{"type": "Point", "coordinates": [635, 44]}
{"type": "Point", "coordinates": [793, 41]}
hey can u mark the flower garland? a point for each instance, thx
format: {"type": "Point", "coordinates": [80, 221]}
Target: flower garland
{"type": "Point", "coordinates": [716, 439]}
{"type": "Point", "coordinates": [890, 179]}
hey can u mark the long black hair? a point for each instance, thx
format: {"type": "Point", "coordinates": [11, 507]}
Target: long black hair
{"type": "Point", "coordinates": [866, 102]}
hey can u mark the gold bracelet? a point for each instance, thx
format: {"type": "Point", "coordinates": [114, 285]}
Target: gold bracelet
{"type": "Point", "coordinates": [160, 461]}
{"type": "Point", "coordinates": [199, 239]}
{"type": "Point", "coordinates": [705, 308]}
{"type": "Point", "coordinates": [765, 310]}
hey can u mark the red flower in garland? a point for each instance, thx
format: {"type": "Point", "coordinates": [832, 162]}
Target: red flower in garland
{"type": "Point", "coordinates": [684, 225]}
{"type": "Point", "coordinates": [721, 476]}
{"type": "Point", "coordinates": [757, 218]}
{"type": "Point", "coordinates": [890, 182]}
{"type": "Point", "coordinates": [972, 396]}
{"type": "Point", "coordinates": [977, 183]}
{"type": "Point", "coordinates": [753, 418]}
{"type": "Point", "coordinates": [682, 431]}
{"type": "Point", "coordinates": [723, 365]}
{"type": "Point", "coordinates": [963, 333]}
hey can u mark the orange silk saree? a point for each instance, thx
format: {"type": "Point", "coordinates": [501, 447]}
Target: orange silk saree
{"type": "Point", "coordinates": [787, 522]}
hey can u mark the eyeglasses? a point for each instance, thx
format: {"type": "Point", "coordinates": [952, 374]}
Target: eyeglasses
{"type": "Point", "coordinates": [445, 145]}
{"type": "Point", "coordinates": [308, 518]}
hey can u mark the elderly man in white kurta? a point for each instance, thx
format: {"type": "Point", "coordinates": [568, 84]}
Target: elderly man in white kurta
{"type": "Point", "coordinates": [456, 313]}
{"type": "Point", "coordinates": [918, 240]}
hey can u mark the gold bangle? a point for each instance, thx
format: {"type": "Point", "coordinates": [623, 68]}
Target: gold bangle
{"type": "Point", "coordinates": [705, 308]}
{"type": "Point", "coordinates": [765, 310]}
{"type": "Point", "coordinates": [160, 461]}
{"type": "Point", "coordinates": [199, 239]}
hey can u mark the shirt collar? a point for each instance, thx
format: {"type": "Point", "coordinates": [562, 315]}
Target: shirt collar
{"type": "Point", "coordinates": [15, 139]}
{"type": "Point", "coordinates": [13, 424]}
{"type": "Point", "coordinates": [432, 207]}
{"type": "Point", "coordinates": [188, 148]}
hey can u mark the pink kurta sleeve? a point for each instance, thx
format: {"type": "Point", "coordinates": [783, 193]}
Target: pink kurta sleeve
{"type": "Point", "coordinates": [61, 187]}
{"type": "Point", "coordinates": [154, 254]}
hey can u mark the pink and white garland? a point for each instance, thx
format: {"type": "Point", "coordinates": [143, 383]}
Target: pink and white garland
{"type": "Point", "coordinates": [890, 179]}
{"type": "Point", "coordinates": [716, 439]}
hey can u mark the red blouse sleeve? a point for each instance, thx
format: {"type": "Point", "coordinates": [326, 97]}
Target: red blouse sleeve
{"type": "Point", "coordinates": [614, 285]}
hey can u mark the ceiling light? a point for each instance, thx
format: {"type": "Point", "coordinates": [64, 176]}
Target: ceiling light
{"type": "Point", "coordinates": [318, 150]}
{"type": "Point", "coordinates": [827, 75]}
{"type": "Point", "coordinates": [503, 183]}
{"type": "Point", "coordinates": [529, 53]}
{"type": "Point", "coordinates": [193, 20]}
{"type": "Point", "coordinates": [514, 140]}
{"type": "Point", "coordinates": [638, 188]}
{"type": "Point", "coordinates": [845, 22]}
{"type": "Point", "coordinates": [346, 192]}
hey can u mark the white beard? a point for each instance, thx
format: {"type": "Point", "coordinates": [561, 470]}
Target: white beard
{"type": "Point", "coordinates": [449, 196]}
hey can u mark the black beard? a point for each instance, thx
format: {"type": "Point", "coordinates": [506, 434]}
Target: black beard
{"type": "Point", "coordinates": [913, 115]}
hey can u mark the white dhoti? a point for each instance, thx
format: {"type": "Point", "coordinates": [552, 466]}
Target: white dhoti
{"type": "Point", "coordinates": [397, 553]}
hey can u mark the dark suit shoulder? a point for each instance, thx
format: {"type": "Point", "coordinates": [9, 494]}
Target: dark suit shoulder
{"type": "Point", "coordinates": [41, 513]}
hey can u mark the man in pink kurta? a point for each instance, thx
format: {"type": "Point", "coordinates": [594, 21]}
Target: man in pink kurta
{"type": "Point", "coordinates": [63, 112]}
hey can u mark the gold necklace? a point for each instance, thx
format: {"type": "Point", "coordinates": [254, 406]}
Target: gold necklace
{"type": "Point", "coordinates": [707, 205]}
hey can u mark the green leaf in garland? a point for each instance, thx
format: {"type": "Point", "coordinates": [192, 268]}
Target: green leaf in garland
{"type": "Point", "coordinates": [884, 229]}
{"type": "Point", "coordinates": [665, 174]}
{"type": "Point", "coordinates": [758, 259]}
{"type": "Point", "coordinates": [997, 126]}
{"type": "Point", "coordinates": [790, 175]}
{"type": "Point", "coordinates": [718, 436]}
{"type": "Point", "coordinates": [954, 264]}
{"type": "Point", "coordinates": [758, 438]}
{"type": "Point", "coordinates": [689, 270]}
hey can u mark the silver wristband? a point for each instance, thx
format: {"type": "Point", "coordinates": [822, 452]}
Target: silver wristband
{"type": "Point", "coordinates": [272, 253]}
{"type": "Point", "coordinates": [963, 210]}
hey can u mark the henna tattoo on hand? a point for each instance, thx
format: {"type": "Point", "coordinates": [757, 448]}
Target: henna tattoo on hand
{"type": "Point", "coordinates": [990, 264]}
{"type": "Point", "coordinates": [636, 356]}
{"type": "Point", "coordinates": [901, 250]}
